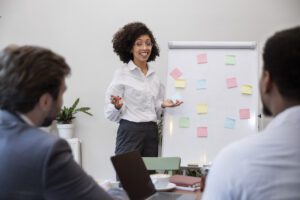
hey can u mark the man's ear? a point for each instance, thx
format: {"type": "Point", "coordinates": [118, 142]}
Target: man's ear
{"type": "Point", "coordinates": [45, 102]}
{"type": "Point", "coordinates": [266, 82]}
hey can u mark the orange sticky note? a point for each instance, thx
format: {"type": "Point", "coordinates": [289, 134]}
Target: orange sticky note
{"type": "Point", "coordinates": [244, 113]}
{"type": "Point", "coordinates": [202, 131]}
{"type": "Point", "coordinates": [202, 58]}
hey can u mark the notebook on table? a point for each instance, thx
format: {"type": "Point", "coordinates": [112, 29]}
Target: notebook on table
{"type": "Point", "coordinates": [136, 181]}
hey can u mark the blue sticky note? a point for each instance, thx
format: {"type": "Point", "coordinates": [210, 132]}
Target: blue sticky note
{"type": "Point", "coordinates": [176, 96]}
{"type": "Point", "coordinates": [229, 123]}
{"type": "Point", "coordinates": [201, 84]}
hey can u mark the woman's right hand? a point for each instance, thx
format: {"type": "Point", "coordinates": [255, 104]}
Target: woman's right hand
{"type": "Point", "coordinates": [116, 101]}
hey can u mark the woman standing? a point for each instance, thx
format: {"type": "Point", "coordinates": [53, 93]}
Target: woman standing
{"type": "Point", "coordinates": [134, 98]}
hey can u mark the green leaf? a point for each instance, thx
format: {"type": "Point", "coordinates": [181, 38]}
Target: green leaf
{"type": "Point", "coordinates": [74, 105]}
{"type": "Point", "coordinates": [67, 114]}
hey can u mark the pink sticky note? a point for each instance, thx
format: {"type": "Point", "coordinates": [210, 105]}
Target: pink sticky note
{"type": "Point", "coordinates": [202, 131]}
{"type": "Point", "coordinates": [244, 113]}
{"type": "Point", "coordinates": [231, 82]}
{"type": "Point", "coordinates": [202, 58]}
{"type": "Point", "coordinates": [176, 73]}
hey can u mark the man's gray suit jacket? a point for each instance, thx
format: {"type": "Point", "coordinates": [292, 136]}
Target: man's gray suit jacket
{"type": "Point", "coordinates": [37, 165]}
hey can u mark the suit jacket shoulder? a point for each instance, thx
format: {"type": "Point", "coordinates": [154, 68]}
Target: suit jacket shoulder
{"type": "Point", "coordinates": [38, 165]}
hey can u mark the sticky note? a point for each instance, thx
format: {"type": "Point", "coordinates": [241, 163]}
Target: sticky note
{"type": "Point", "coordinates": [231, 82]}
{"type": "Point", "coordinates": [180, 83]}
{"type": "Point", "coordinates": [202, 58]}
{"type": "Point", "coordinates": [246, 89]}
{"type": "Point", "coordinates": [184, 122]}
{"type": "Point", "coordinates": [202, 131]}
{"type": "Point", "coordinates": [244, 113]}
{"type": "Point", "coordinates": [230, 59]}
{"type": "Point", "coordinates": [229, 123]}
{"type": "Point", "coordinates": [176, 73]}
{"type": "Point", "coordinates": [202, 108]}
{"type": "Point", "coordinates": [176, 96]}
{"type": "Point", "coordinates": [201, 84]}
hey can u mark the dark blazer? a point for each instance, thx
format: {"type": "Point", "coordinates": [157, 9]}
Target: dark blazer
{"type": "Point", "coordinates": [37, 165]}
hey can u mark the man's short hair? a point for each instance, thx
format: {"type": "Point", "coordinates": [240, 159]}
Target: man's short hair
{"type": "Point", "coordinates": [28, 72]}
{"type": "Point", "coordinates": [282, 60]}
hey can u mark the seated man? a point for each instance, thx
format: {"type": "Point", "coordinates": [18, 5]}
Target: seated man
{"type": "Point", "coordinates": [35, 164]}
{"type": "Point", "coordinates": [267, 165]}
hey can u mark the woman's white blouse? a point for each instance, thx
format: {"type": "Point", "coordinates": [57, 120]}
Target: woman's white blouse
{"type": "Point", "coordinates": [142, 95]}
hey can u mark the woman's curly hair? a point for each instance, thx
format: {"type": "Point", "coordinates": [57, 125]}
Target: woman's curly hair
{"type": "Point", "coordinates": [124, 39]}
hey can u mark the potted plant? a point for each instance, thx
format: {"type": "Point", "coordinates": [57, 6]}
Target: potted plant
{"type": "Point", "coordinates": [65, 118]}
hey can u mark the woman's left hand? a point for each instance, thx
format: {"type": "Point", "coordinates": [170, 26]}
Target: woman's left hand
{"type": "Point", "coordinates": [170, 103]}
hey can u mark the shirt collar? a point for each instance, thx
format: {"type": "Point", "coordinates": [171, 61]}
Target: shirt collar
{"type": "Point", "coordinates": [133, 66]}
{"type": "Point", "coordinates": [284, 116]}
{"type": "Point", "coordinates": [26, 119]}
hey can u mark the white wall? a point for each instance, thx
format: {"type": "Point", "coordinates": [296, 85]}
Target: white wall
{"type": "Point", "coordinates": [82, 31]}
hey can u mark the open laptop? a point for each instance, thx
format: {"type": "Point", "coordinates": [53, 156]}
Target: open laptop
{"type": "Point", "coordinates": [136, 181]}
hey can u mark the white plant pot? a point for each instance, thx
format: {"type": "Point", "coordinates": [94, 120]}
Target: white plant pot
{"type": "Point", "coordinates": [65, 131]}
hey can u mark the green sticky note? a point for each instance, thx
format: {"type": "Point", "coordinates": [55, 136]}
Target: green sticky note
{"type": "Point", "coordinates": [230, 59]}
{"type": "Point", "coordinates": [184, 122]}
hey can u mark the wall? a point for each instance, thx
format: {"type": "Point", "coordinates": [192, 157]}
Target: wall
{"type": "Point", "coordinates": [82, 32]}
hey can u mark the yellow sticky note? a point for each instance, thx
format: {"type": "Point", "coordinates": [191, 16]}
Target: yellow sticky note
{"type": "Point", "coordinates": [202, 108]}
{"type": "Point", "coordinates": [246, 89]}
{"type": "Point", "coordinates": [180, 83]}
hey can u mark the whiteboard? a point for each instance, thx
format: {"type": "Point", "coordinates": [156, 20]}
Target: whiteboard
{"type": "Point", "coordinates": [218, 83]}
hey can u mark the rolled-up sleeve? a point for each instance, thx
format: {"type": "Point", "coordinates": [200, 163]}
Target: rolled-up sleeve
{"type": "Point", "coordinates": [110, 112]}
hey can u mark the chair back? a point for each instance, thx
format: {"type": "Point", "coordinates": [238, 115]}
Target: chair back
{"type": "Point", "coordinates": [169, 164]}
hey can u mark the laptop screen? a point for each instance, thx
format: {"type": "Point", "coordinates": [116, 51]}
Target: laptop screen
{"type": "Point", "coordinates": [133, 175]}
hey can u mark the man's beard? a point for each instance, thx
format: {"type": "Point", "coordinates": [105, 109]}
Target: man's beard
{"type": "Point", "coordinates": [47, 121]}
{"type": "Point", "coordinates": [50, 117]}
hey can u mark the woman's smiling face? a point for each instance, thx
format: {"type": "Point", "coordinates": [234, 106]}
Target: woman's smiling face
{"type": "Point", "coordinates": [142, 49]}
